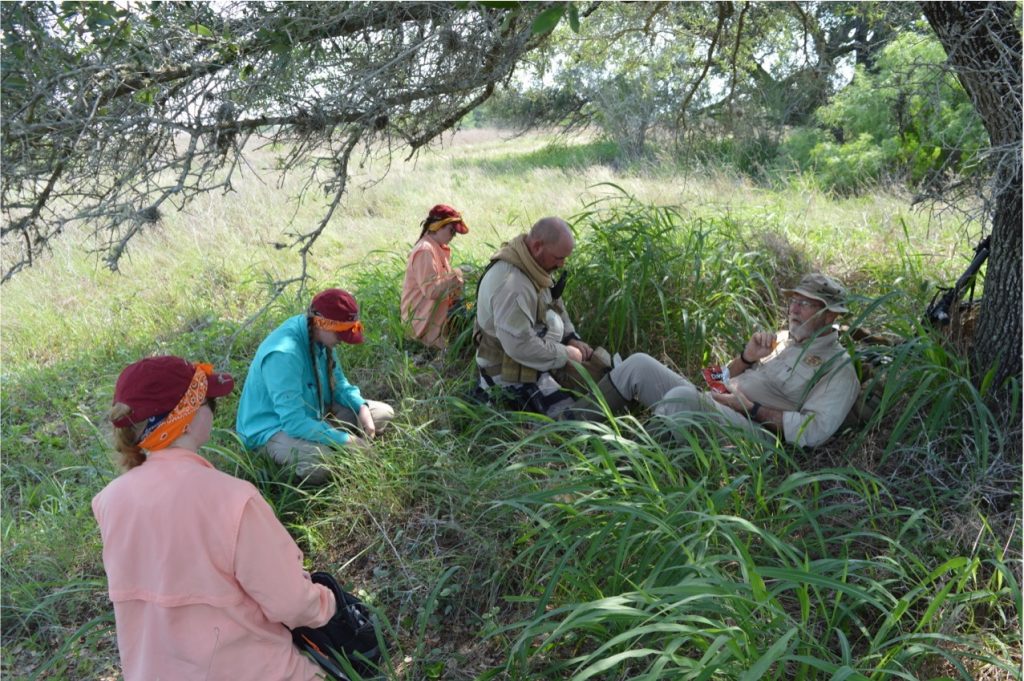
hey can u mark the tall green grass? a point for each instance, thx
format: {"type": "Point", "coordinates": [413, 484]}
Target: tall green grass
{"type": "Point", "coordinates": [649, 563]}
{"type": "Point", "coordinates": [501, 545]}
{"type": "Point", "coordinates": [653, 275]}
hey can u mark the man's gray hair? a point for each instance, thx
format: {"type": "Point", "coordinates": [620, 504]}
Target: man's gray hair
{"type": "Point", "coordinates": [549, 230]}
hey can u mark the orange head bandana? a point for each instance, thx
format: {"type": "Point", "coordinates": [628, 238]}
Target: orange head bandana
{"type": "Point", "coordinates": [338, 327]}
{"type": "Point", "coordinates": [162, 432]}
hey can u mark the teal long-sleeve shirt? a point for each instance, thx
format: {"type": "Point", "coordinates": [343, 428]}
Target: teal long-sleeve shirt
{"type": "Point", "coordinates": [280, 391]}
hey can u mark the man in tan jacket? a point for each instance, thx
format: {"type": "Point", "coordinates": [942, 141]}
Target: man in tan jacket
{"type": "Point", "coordinates": [523, 333]}
{"type": "Point", "coordinates": [799, 383]}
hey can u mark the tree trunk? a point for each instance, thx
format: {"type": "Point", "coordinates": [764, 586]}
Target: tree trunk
{"type": "Point", "coordinates": [983, 43]}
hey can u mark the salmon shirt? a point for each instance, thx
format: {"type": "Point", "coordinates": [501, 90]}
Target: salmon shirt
{"type": "Point", "coordinates": [203, 577]}
{"type": "Point", "coordinates": [426, 291]}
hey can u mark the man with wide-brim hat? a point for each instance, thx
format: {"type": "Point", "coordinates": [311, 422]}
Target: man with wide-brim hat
{"type": "Point", "coordinates": [826, 290]}
{"type": "Point", "coordinates": [799, 383]}
{"type": "Point", "coordinates": [296, 402]}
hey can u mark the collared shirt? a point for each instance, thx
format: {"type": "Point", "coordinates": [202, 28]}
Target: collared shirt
{"type": "Point", "coordinates": [203, 577]}
{"type": "Point", "coordinates": [813, 384]}
{"type": "Point", "coordinates": [429, 281]}
{"type": "Point", "coordinates": [280, 391]}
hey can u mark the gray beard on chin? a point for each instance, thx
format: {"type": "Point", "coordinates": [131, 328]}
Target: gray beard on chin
{"type": "Point", "coordinates": [799, 331]}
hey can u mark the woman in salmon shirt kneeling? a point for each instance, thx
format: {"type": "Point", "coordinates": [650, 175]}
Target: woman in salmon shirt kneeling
{"type": "Point", "coordinates": [431, 285]}
{"type": "Point", "coordinates": [203, 577]}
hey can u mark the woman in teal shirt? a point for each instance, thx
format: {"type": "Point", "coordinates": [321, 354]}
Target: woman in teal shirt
{"type": "Point", "coordinates": [296, 402]}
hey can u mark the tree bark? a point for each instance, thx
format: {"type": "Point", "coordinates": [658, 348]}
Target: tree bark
{"type": "Point", "coordinates": [983, 44]}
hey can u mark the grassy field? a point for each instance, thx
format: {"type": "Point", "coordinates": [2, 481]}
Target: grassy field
{"type": "Point", "coordinates": [500, 546]}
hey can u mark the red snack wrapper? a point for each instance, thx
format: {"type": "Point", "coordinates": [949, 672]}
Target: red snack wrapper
{"type": "Point", "coordinates": [714, 377]}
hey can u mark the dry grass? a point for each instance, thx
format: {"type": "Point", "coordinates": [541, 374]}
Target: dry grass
{"type": "Point", "coordinates": [231, 238]}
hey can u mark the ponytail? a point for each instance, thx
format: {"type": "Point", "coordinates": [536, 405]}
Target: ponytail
{"type": "Point", "coordinates": [126, 440]}
{"type": "Point", "coordinates": [310, 330]}
{"type": "Point", "coordinates": [320, 405]}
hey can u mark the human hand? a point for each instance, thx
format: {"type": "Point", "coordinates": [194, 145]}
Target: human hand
{"type": "Point", "coordinates": [366, 422]}
{"type": "Point", "coordinates": [574, 353]}
{"type": "Point", "coordinates": [735, 400]}
{"type": "Point", "coordinates": [585, 350]}
{"type": "Point", "coordinates": [759, 346]}
{"type": "Point", "coordinates": [357, 442]}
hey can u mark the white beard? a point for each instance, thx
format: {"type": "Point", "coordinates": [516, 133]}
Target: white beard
{"type": "Point", "coordinates": [799, 331]}
{"type": "Point", "coordinates": [815, 326]}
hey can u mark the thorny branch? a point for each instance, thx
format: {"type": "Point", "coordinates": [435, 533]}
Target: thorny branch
{"type": "Point", "coordinates": [111, 113]}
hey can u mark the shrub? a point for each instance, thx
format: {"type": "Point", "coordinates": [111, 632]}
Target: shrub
{"type": "Point", "coordinates": [908, 119]}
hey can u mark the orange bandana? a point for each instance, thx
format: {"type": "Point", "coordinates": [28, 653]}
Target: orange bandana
{"type": "Point", "coordinates": [171, 428]}
{"type": "Point", "coordinates": [338, 327]}
{"type": "Point", "coordinates": [434, 226]}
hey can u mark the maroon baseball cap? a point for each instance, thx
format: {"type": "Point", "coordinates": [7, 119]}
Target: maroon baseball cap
{"type": "Point", "coordinates": [155, 385]}
{"type": "Point", "coordinates": [336, 305]}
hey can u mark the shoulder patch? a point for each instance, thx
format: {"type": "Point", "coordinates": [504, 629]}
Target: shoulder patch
{"type": "Point", "coordinates": [812, 361]}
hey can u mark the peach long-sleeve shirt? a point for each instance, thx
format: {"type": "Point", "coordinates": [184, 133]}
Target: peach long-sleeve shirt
{"type": "Point", "coordinates": [429, 283]}
{"type": "Point", "coordinates": [202, 575]}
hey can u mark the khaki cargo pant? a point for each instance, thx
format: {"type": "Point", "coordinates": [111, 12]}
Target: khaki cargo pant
{"type": "Point", "coordinates": [308, 457]}
{"type": "Point", "coordinates": [642, 378]}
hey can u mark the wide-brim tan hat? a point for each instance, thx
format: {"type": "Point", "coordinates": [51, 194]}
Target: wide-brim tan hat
{"type": "Point", "coordinates": [825, 290]}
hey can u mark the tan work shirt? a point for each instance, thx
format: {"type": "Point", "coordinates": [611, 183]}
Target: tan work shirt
{"type": "Point", "coordinates": [507, 308]}
{"type": "Point", "coordinates": [814, 385]}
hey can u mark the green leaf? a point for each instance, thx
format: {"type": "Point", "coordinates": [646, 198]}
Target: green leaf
{"type": "Point", "coordinates": [548, 19]}
{"type": "Point", "coordinates": [145, 96]}
{"type": "Point", "coordinates": [15, 82]}
{"type": "Point", "coordinates": [760, 668]}
{"type": "Point", "coordinates": [574, 18]}
{"type": "Point", "coordinates": [987, 380]}
{"type": "Point", "coordinates": [201, 30]}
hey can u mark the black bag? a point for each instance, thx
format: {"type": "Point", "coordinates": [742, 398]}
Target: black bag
{"type": "Point", "coordinates": [351, 633]}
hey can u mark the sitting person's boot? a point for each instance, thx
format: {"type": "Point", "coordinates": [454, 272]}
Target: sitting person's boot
{"type": "Point", "coordinates": [587, 408]}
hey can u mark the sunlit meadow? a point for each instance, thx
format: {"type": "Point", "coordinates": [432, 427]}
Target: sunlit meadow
{"type": "Point", "coordinates": [504, 546]}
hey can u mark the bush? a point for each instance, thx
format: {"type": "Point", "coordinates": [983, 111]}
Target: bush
{"type": "Point", "coordinates": [910, 119]}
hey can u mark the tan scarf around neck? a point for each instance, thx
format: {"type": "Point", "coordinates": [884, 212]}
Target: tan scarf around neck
{"type": "Point", "coordinates": [517, 253]}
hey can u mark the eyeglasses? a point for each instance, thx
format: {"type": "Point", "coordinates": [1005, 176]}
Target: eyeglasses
{"type": "Point", "coordinates": [804, 303]}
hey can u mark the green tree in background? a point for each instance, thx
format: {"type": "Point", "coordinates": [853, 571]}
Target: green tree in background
{"type": "Point", "coordinates": [654, 73]}
{"type": "Point", "coordinates": [907, 119]}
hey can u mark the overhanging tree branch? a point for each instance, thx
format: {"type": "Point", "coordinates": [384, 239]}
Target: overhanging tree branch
{"type": "Point", "coordinates": [103, 127]}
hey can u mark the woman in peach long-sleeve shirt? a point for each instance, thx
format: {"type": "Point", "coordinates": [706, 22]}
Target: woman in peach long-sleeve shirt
{"type": "Point", "coordinates": [203, 577]}
{"type": "Point", "coordinates": [431, 284]}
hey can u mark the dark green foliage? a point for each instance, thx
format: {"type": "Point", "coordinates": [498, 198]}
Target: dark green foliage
{"type": "Point", "coordinates": [908, 119]}
{"type": "Point", "coordinates": [655, 279]}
